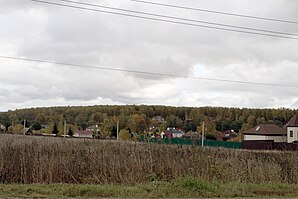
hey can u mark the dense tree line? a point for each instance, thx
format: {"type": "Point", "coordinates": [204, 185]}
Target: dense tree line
{"type": "Point", "coordinates": [139, 118]}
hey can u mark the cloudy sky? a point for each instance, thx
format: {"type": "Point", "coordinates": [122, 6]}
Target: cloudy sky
{"type": "Point", "coordinates": [59, 34]}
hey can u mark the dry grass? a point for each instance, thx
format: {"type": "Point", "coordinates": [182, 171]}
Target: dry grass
{"type": "Point", "coordinates": [27, 160]}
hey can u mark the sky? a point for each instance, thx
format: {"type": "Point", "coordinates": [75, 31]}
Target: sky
{"type": "Point", "coordinates": [58, 34]}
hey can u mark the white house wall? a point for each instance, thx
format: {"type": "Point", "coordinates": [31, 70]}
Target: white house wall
{"type": "Point", "coordinates": [277, 138]}
{"type": "Point", "coordinates": [295, 134]}
{"type": "Point", "coordinates": [177, 135]}
{"type": "Point", "coordinates": [264, 137]}
{"type": "Point", "coordinates": [254, 137]}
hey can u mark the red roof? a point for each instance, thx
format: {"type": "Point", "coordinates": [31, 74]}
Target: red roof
{"type": "Point", "coordinates": [168, 134]}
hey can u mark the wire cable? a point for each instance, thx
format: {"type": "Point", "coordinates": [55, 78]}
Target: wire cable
{"type": "Point", "coordinates": [216, 12]}
{"type": "Point", "coordinates": [147, 72]}
{"type": "Point", "coordinates": [164, 20]}
{"type": "Point", "coordinates": [179, 18]}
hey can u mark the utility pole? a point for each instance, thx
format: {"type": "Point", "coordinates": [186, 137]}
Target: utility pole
{"type": "Point", "coordinates": [24, 127]}
{"type": "Point", "coordinates": [117, 130]}
{"type": "Point", "coordinates": [203, 129]}
{"type": "Point", "coordinates": [64, 128]}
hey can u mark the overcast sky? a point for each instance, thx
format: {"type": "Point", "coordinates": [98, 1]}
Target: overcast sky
{"type": "Point", "coordinates": [39, 31]}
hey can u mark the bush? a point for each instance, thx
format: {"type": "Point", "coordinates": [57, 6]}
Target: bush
{"type": "Point", "coordinates": [210, 137]}
{"type": "Point", "coordinates": [124, 135]}
{"type": "Point", "coordinates": [190, 182]}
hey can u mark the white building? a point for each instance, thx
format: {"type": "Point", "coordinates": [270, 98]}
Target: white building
{"type": "Point", "coordinates": [292, 129]}
{"type": "Point", "coordinates": [83, 134]}
{"type": "Point", "coordinates": [266, 132]}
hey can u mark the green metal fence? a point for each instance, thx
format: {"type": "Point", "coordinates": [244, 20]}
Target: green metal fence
{"type": "Point", "coordinates": [185, 141]}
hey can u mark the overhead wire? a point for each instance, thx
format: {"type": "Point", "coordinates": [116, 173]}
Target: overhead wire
{"type": "Point", "coordinates": [178, 18]}
{"type": "Point", "coordinates": [165, 20]}
{"type": "Point", "coordinates": [146, 72]}
{"type": "Point", "coordinates": [217, 12]}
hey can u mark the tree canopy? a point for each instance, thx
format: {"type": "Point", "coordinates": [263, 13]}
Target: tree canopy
{"type": "Point", "coordinates": [140, 118]}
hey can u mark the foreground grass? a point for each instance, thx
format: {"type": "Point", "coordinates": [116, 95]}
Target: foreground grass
{"type": "Point", "coordinates": [186, 187]}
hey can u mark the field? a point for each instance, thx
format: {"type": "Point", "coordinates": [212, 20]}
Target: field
{"type": "Point", "coordinates": [34, 161]}
{"type": "Point", "coordinates": [186, 187]}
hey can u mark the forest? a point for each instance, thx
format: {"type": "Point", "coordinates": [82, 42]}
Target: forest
{"type": "Point", "coordinates": [141, 118]}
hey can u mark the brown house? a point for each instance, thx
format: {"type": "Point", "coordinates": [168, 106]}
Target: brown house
{"type": "Point", "coordinates": [292, 129]}
{"type": "Point", "coordinates": [266, 132]}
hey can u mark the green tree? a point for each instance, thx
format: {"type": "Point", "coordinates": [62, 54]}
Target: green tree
{"type": "Point", "coordinates": [107, 128]}
{"type": "Point", "coordinates": [18, 129]}
{"type": "Point", "coordinates": [98, 118]}
{"type": "Point", "coordinates": [40, 117]}
{"type": "Point", "coordinates": [82, 120]}
{"type": "Point", "coordinates": [70, 132]}
{"type": "Point", "coordinates": [174, 121]}
{"type": "Point", "coordinates": [4, 120]}
{"type": "Point", "coordinates": [137, 123]}
{"type": "Point", "coordinates": [251, 122]}
{"type": "Point", "coordinates": [55, 129]}
{"type": "Point", "coordinates": [36, 126]}
{"type": "Point", "coordinates": [124, 134]}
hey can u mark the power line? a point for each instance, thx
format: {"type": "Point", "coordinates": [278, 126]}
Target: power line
{"type": "Point", "coordinates": [147, 72]}
{"type": "Point", "coordinates": [179, 18]}
{"type": "Point", "coordinates": [165, 20]}
{"type": "Point", "coordinates": [217, 12]}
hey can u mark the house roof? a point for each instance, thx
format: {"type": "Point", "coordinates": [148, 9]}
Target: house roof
{"type": "Point", "coordinates": [27, 130]}
{"type": "Point", "coordinates": [266, 129]}
{"type": "Point", "coordinates": [177, 131]}
{"type": "Point", "coordinates": [293, 122]}
{"type": "Point", "coordinates": [167, 132]}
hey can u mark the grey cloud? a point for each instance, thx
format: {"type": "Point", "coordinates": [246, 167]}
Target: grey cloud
{"type": "Point", "coordinates": [89, 38]}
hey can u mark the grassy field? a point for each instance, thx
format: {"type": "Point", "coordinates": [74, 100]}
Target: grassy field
{"type": "Point", "coordinates": [52, 167]}
{"type": "Point", "coordinates": [186, 187]}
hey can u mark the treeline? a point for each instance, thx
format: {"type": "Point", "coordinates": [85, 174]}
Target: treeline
{"type": "Point", "coordinates": [140, 118]}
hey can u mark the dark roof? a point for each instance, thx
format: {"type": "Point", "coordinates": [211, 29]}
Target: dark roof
{"type": "Point", "coordinates": [266, 129]}
{"type": "Point", "coordinates": [27, 130]}
{"type": "Point", "coordinates": [293, 122]}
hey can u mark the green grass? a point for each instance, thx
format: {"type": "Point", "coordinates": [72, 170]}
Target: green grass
{"type": "Point", "coordinates": [186, 187]}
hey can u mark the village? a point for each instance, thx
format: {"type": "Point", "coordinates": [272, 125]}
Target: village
{"type": "Point", "coordinates": [265, 136]}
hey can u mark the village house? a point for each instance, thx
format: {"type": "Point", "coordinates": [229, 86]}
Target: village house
{"type": "Point", "coordinates": [94, 128]}
{"type": "Point", "coordinates": [27, 131]}
{"type": "Point", "coordinates": [292, 129]}
{"type": "Point", "coordinates": [2, 128]}
{"type": "Point", "coordinates": [172, 133]}
{"type": "Point", "coordinates": [266, 132]}
{"type": "Point", "coordinates": [83, 134]}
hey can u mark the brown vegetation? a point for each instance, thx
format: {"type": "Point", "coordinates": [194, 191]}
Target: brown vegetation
{"type": "Point", "coordinates": [25, 159]}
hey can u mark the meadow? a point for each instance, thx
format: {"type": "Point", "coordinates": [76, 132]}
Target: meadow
{"type": "Point", "coordinates": [47, 160]}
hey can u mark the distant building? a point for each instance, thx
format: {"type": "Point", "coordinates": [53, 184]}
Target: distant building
{"type": "Point", "coordinates": [292, 129]}
{"type": "Point", "coordinates": [159, 119]}
{"type": "Point", "coordinates": [83, 134]}
{"type": "Point", "coordinates": [229, 134]}
{"type": "Point", "coordinates": [177, 133]}
{"type": "Point", "coordinates": [27, 131]}
{"type": "Point", "coordinates": [172, 133]}
{"type": "Point", "coordinates": [94, 128]}
{"type": "Point", "coordinates": [167, 134]}
{"type": "Point", "coordinates": [266, 132]}
{"type": "Point", "coordinates": [2, 128]}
